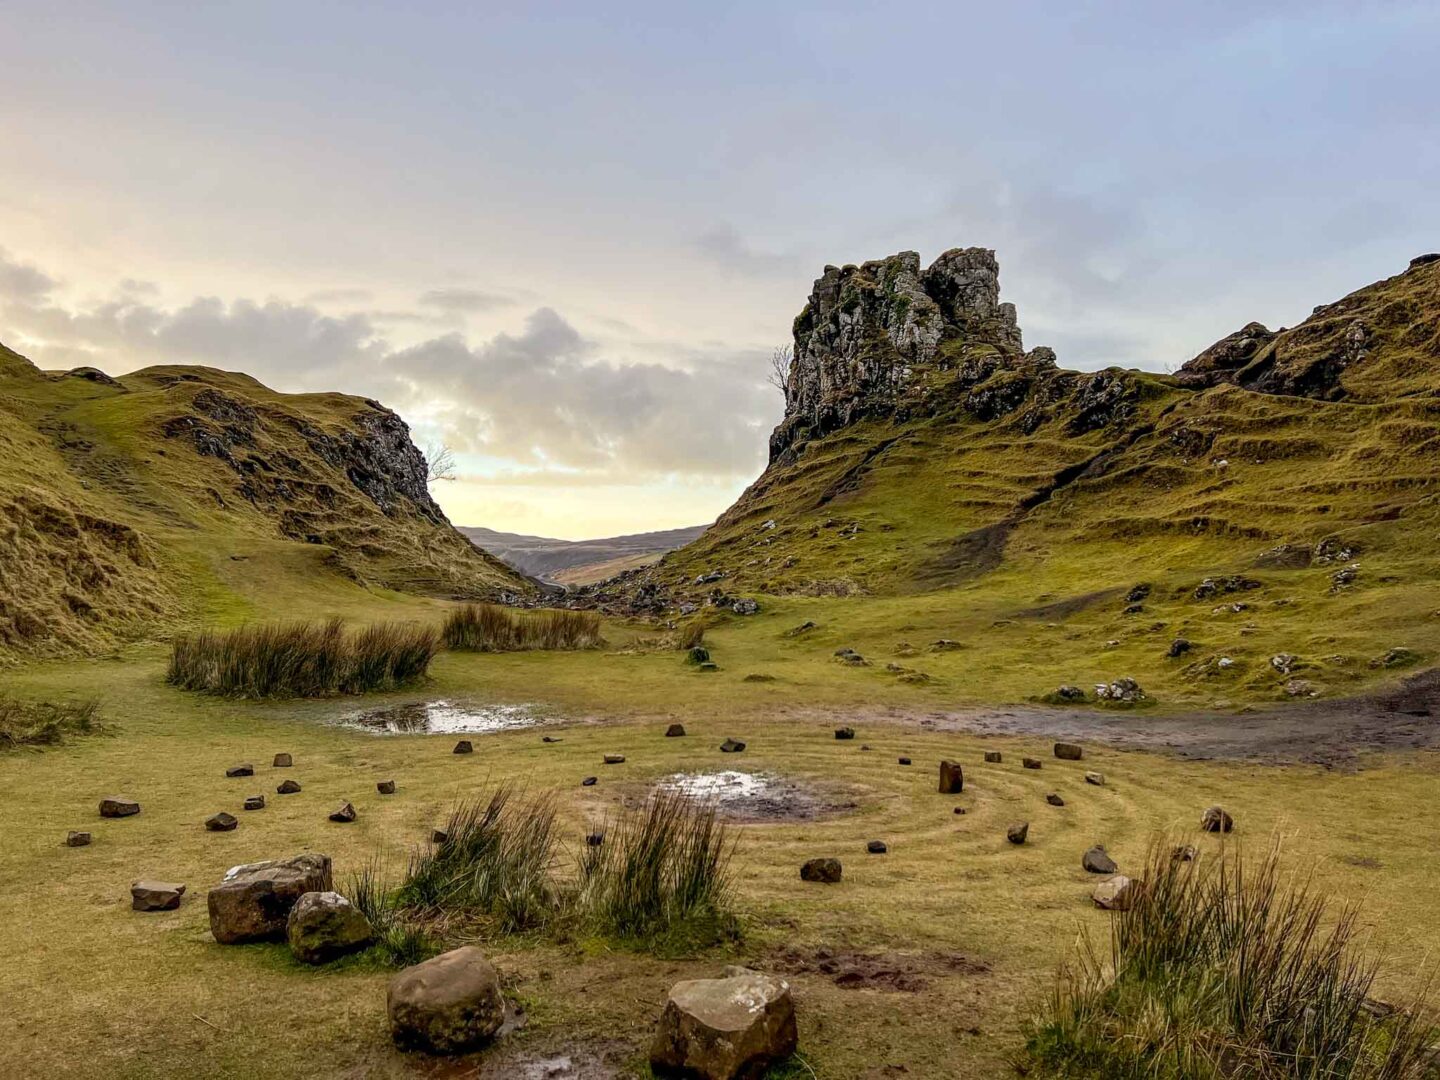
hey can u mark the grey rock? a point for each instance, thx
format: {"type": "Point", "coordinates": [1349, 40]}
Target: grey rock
{"type": "Point", "coordinates": [344, 814]}
{"type": "Point", "coordinates": [952, 778]}
{"type": "Point", "coordinates": [282, 761]}
{"type": "Point", "coordinates": [1098, 779]}
{"type": "Point", "coordinates": [323, 926]}
{"type": "Point", "coordinates": [75, 838]}
{"type": "Point", "coordinates": [1018, 832]}
{"type": "Point", "coordinates": [725, 1029]}
{"type": "Point", "coordinates": [287, 787]}
{"type": "Point", "coordinates": [253, 901]}
{"type": "Point", "coordinates": [221, 822]}
{"type": "Point", "coordinates": [114, 806]}
{"type": "Point", "coordinates": [1215, 819]}
{"type": "Point", "coordinates": [385, 787]}
{"type": "Point", "coordinates": [1115, 894]}
{"type": "Point", "coordinates": [240, 770]}
{"type": "Point", "coordinates": [1097, 861]}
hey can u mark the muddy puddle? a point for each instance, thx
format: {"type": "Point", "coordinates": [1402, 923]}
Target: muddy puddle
{"type": "Point", "coordinates": [446, 718]}
{"type": "Point", "coordinates": [758, 796]}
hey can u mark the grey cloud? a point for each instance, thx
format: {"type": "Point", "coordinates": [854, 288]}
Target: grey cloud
{"type": "Point", "coordinates": [340, 296]}
{"type": "Point", "coordinates": [725, 247]}
{"type": "Point", "coordinates": [22, 282]}
{"type": "Point", "coordinates": [464, 300]}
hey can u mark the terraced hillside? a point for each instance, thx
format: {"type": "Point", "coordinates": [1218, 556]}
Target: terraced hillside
{"type": "Point", "coordinates": [131, 505]}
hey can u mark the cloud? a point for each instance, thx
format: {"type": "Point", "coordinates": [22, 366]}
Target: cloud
{"type": "Point", "coordinates": [340, 296]}
{"type": "Point", "coordinates": [22, 282]}
{"type": "Point", "coordinates": [726, 248]}
{"type": "Point", "coordinates": [464, 300]}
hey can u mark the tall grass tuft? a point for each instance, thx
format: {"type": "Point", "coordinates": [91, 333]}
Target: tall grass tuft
{"type": "Point", "coordinates": [692, 635]}
{"type": "Point", "coordinates": [496, 862]}
{"type": "Point", "coordinates": [399, 942]}
{"type": "Point", "coordinates": [43, 723]}
{"type": "Point", "coordinates": [302, 659]}
{"type": "Point", "coordinates": [488, 628]}
{"type": "Point", "coordinates": [1226, 968]}
{"type": "Point", "coordinates": [658, 870]}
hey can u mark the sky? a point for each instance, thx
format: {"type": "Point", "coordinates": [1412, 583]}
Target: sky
{"type": "Point", "coordinates": [565, 239]}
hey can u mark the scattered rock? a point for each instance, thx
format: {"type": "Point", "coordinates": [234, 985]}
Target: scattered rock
{"type": "Point", "coordinates": [550, 739]}
{"type": "Point", "coordinates": [464, 746]}
{"type": "Point", "coordinates": [1124, 691]}
{"type": "Point", "coordinates": [1068, 751]}
{"type": "Point", "coordinates": [698, 654]}
{"type": "Point", "coordinates": [1098, 779]}
{"type": "Point", "coordinates": [594, 839]}
{"type": "Point", "coordinates": [993, 757]}
{"type": "Point", "coordinates": [1344, 577]}
{"type": "Point", "coordinates": [253, 802]}
{"type": "Point", "coordinates": [590, 781]}
{"type": "Point", "coordinates": [732, 746]}
{"type": "Point", "coordinates": [282, 761]}
{"type": "Point", "coordinates": [1300, 688]}
{"type": "Point", "coordinates": [345, 814]}
{"type": "Point", "coordinates": [385, 787]}
{"type": "Point", "coordinates": [1396, 657]}
{"type": "Point", "coordinates": [75, 838]}
{"type": "Point", "coordinates": [1138, 593]}
{"type": "Point", "coordinates": [614, 759]}
{"type": "Point", "coordinates": [118, 806]}
{"type": "Point", "coordinates": [952, 778]}
{"type": "Point", "coordinates": [1283, 662]}
{"type": "Point", "coordinates": [825, 871]}
{"type": "Point", "coordinates": [221, 822]}
{"type": "Point", "coordinates": [1017, 833]}
{"type": "Point", "coordinates": [287, 787]}
{"type": "Point", "coordinates": [844, 733]}
{"type": "Point", "coordinates": [1030, 763]}
{"type": "Point", "coordinates": [1067, 694]}
{"type": "Point", "coordinates": [1054, 799]}
{"type": "Point", "coordinates": [1179, 647]}
{"type": "Point", "coordinates": [1212, 587]}
{"type": "Point", "coordinates": [945, 645]}
{"type": "Point", "coordinates": [1098, 861]}
{"type": "Point", "coordinates": [1115, 894]}
{"type": "Point", "coordinates": [1134, 609]}
{"type": "Point", "coordinates": [146, 895]}
{"type": "Point", "coordinates": [1215, 819]}
{"type": "Point", "coordinates": [325, 925]}
{"type": "Point", "coordinates": [253, 901]}
{"type": "Point", "coordinates": [724, 1029]}
{"type": "Point", "coordinates": [446, 1005]}
{"type": "Point", "coordinates": [745, 606]}
{"type": "Point", "coordinates": [958, 810]}
{"type": "Point", "coordinates": [1182, 853]}
{"type": "Point", "coordinates": [240, 770]}
{"type": "Point", "coordinates": [438, 836]}
{"type": "Point", "coordinates": [904, 761]}
{"type": "Point", "coordinates": [709, 665]}
{"type": "Point", "coordinates": [756, 677]}
{"type": "Point", "coordinates": [675, 731]}
{"type": "Point", "coordinates": [803, 628]}
{"type": "Point", "coordinates": [876, 847]}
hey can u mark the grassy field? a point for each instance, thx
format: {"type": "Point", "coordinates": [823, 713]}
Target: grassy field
{"type": "Point", "coordinates": [99, 990]}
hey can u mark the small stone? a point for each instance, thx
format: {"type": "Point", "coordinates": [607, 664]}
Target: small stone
{"type": "Point", "coordinates": [448, 1004]}
{"type": "Point", "coordinates": [1068, 751]}
{"type": "Point", "coordinates": [590, 781]}
{"type": "Point", "coordinates": [594, 839]}
{"type": "Point", "coordinates": [438, 836]}
{"type": "Point", "coordinates": [732, 746]}
{"type": "Point", "coordinates": [1178, 648]}
{"type": "Point", "coordinates": [1214, 819]}
{"type": "Point", "coordinates": [77, 839]}
{"type": "Point", "coordinates": [952, 778]}
{"type": "Point", "coordinates": [549, 739]}
{"type": "Point", "coordinates": [221, 822]}
{"type": "Point", "coordinates": [1097, 861]}
{"type": "Point", "coordinates": [993, 757]}
{"type": "Point", "coordinates": [118, 806]}
{"type": "Point", "coordinates": [844, 733]}
{"type": "Point", "coordinates": [1054, 799]}
{"type": "Point", "coordinates": [675, 731]}
{"type": "Point", "coordinates": [825, 871]}
{"type": "Point", "coordinates": [723, 1029]}
{"type": "Point", "coordinates": [464, 746]}
{"type": "Point", "coordinates": [385, 787]}
{"type": "Point", "coordinates": [1030, 763]}
{"type": "Point", "coordinates": [614, 759]}
{"type": "Point", "coordinates": [865, 748]}
{"type": "Point", "coordinates": [904, 761]}
{"type": "Point", "coordinates": [146, 895]}
{"type": "Point", "coordinates": [1182, 853]}
{"type": "Point", "coordinates": [287, 787]}
{"type": "Point", "coordinates": [876, 847]}
{"type": "Point", "coordinates": [240, 770]}
{"type": "Point", "coordinates": [253, 802]}
{"type": "Point", "coordinates": [1017, 833]}
{"type": "Point", "coordinates": [958, 810]}
{"type": "Point", "coordinates": [323, 926]}
{"type": "Point", "coordinates": [282, 761]}
{"type": "Point", "coordinates": [345, 814]}
{"type": "Point", "coordinates": [1098, 779]}
{"type": "Point", "coordinates": [1116, 894]}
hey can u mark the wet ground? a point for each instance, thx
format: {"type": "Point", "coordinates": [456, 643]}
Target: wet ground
{"type": "Point", "coordinates": [446, 718]}
{"type": "Point", "coordinates": [894, 971]}
{"type": "Point", "coordinates": [757, 797]}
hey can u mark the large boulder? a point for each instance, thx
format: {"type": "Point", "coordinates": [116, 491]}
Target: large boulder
{"type": "Point", "coordinates": [721, 1029]}
{"type": "Point", "coordinates": [325, 925]}
{"type": "Point", "coordinates": [253, 902]}
{"type": "Point", "coordinates": [446, 1005]}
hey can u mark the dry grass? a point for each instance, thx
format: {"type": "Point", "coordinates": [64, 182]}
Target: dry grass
{"type": "Point", "coordinates": [43, 723]}
{"type": "Point", "coordinates": [302, 659]}
{"type": "Point", "coordinates": [489, 628]}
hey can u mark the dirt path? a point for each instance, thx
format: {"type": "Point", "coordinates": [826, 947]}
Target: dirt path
{"type": "Point", "coordinates": [1330, 733]}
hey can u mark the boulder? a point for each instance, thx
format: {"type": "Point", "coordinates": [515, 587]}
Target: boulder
{"type": "Point", "coordinates": [282, 761]}
{"type": "Point", "coordinates": [732, 746]}
{"type": "Point", "coordinates": [240, 770]}
{"type": "Point", "coordinates": [118, 806]}
{"type": "Point", "coordinates": [745, 606]}
{"type": "Point", "coordinates": [253, 901]}
{"type": "Point", "coordinates": [1097, 861]}
{"type": "Point", "coordinates": [325, 925]}
{"type": "Point", "coordinates": [952, 778]}
{"type": "Point", "coordinates": [615, 759]}
{"type": "Point", "coordinates": [1124, 691]}
{"type": "Point", "coordinates": [76, 839]}
{"type": "Point", "coordinates": [1054, 799]}
{"type": "Point", "coordinates": [1115, 894]}
{"type": "Point", "coordinates": [221, 822]}
{"type": "Point", "coordinates": [253, 802]}
{"type": "Point", "coordinates": [385, 787]}
{"type": "Point", "coordinates": [464, 746]}
{"type": "Point", "coordinates": [1030, 762]}
{"type": "Point", "coordinates": [994, 757]}
{"type": "Point", "coordinates": [876, 847]}
{"type": "Point", "coordinates": [1067, 694]}
{"type": "Point", "coordinates": [903, 761]}
{"type": "Point", "coordinates": [344, 814]}
{"type": "Point", "coordinates": [825, 871]}
{"type": "Point", "coordinates": [844, 733]}
{"type": "Point", "coordinates": [1017, 833]}
{"type": "Point", "coordinates": [1067, 751]}
{"type": "Point", "coordinates": [146, 895]}
{"type": "Point", "coordinates": [724, 1029]}
{"type": "Point", "coordinates": [590, 781]}
{"type": "Point", "coordinates": [287, 787]}
{"type": "Point", "coordinates": [1098, 779]}
{"type": "Point", "coordinates": [446, 1005]}
{"type": "Point", "coordinates": [675, 731]}
{"type": "Point", "coordinates": [1215, 819]}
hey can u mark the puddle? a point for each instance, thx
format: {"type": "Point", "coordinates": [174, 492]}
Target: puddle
{"type": "Point", "coordinates": [445, 718]}
{"type": "Point", "coordinates": [756, 796]}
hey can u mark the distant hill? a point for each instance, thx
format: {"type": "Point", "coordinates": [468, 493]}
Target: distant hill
{"type": "Point", "coordinates": [132, 505]}
{"type": "Point", "coordinates": [578, 562]}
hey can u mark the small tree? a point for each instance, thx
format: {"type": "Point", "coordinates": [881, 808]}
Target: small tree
{"type": "Point", "coordinates": [779, 374]}
{"type": "Point", "coordinates": [439, 463]}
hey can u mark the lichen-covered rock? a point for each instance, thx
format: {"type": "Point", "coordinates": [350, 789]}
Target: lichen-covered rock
{"type": "Point", "coordinates": [727, 1028]}
{"type": "Point", "coordinates": [253, 901]}
{"type": "Point", "coordinates": [446, 1005]}
{"type": "Point", "coordinates": [825, 871]}
{"type": "Point", "coordinates": [1115, 894]}
{"type": "Point", "coordinates": [325, 925]}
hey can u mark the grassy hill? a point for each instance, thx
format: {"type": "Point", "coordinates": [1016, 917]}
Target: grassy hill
{"type": "Point", "coordinates": [579, 562]}
{"type": "Point", "coordinates": [134, 505]}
